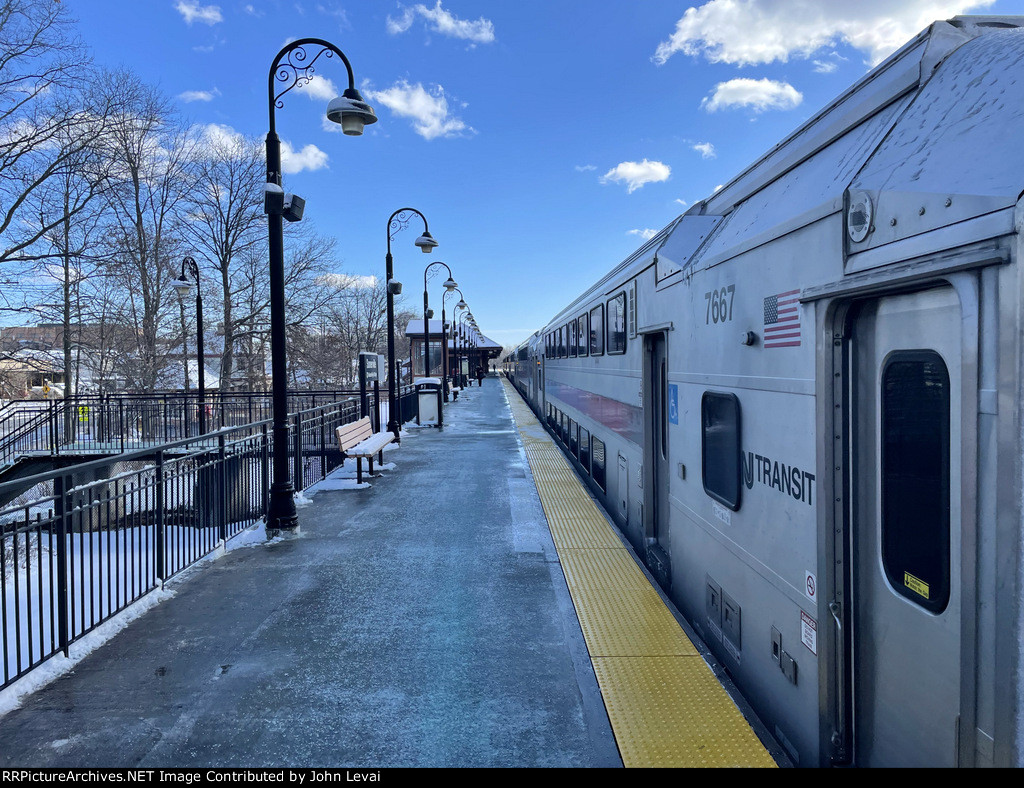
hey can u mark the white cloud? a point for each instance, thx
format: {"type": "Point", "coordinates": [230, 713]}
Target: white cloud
{"type": "Point", "coordinates": [252, 10]}
{"type": "Point", "coordinates": [758, 94]}
{"type": "Point", "coordinates": [445, 22]}
{"type": "Point", "coordinates": [198, 95]}
{"type": "Point", "coordinates": [585, 168]}
{"type": "Point", "coordinates": [745, 32]}
{"type": "Point", "coordinates": [684, 203]}
{"type": "Point", "coordinates": [345, 281]}
{"type": "Point", "coordinates": [647, 234]}
{"type": "Point", "coordinates": [318, 89]}
{"type": "Point", "coordinates": [309, 158]}
{"type": "Point", "coordinates": [339, 13]}
{"type": "Point", "coordinates": [428, 110]}
{"type": "Point", "coordinates": [220, 137]}
{"type": "Point", "coordinates": [636, 173]}
{"type": "Point", "coordinates": [193, 12]}
{"type": "Point", "coordinates": [825, 66]}
{"type": "Point", "coordinates": [705, 149]}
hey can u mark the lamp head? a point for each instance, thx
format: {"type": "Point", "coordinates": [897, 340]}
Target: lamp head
{"type": "Point", "coordinates": [426, 242]}
{"type": "Point", "coordinates": [451, 284]}
{"type": "Point", "coordinates": [351, 111]}
{"type": "Point", "coordinates": [462, 305]}
{"type": "Point", "coordinates": [182, 287]}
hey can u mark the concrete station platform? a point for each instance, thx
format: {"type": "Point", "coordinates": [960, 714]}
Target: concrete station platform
{"type": "Point", "coordinates": [424, 621]}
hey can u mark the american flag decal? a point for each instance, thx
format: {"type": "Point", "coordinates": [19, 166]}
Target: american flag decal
{"type": "Point", "coordinates": [782, 320]}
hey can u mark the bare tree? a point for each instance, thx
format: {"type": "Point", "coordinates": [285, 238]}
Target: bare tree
{"type": "Point", "coordinates": [225, 220]}
{"type": "Point", "coordinates": [47, 118]}
{"type": "Point", "coordinates": [308, 260]}
{"type": "Point", "coordinates": [154, 156]}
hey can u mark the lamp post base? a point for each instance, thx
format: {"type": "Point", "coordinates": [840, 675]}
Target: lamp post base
{"type": "Point", "coordinates": [282, 516]}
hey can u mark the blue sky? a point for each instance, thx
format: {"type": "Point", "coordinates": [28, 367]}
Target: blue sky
{"type": "Point", "coordinates": [542, 140]}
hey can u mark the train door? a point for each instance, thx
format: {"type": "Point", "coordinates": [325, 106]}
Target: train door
{"type": "Point", "coordinates": [905, 530]}
{"type": "Point", "coordinates": [542, 395]}
{"type": "Point", "coordinates": [656, 465]}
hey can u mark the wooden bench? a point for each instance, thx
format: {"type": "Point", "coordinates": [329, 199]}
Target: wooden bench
{"type": "Point", "coordinates": [359, 440]}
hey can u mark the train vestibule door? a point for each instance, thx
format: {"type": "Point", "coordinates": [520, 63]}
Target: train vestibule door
{"type": "Point", "coordinates": [542, 395]}
{"type": "Point", "coordinates": [905, 529]}
{"type": "Point", "coordinates": [656, 464]}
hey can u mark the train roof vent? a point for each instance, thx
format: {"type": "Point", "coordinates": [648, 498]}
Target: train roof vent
{"type": "Point", "coordinates": [858, 216]}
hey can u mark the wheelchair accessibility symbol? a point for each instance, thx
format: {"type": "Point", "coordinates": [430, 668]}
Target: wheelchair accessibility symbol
{"type": "Point", "coordinates": [673, 403]}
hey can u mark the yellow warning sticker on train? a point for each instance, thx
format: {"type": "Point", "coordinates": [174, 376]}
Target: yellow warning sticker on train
{"type": "Point", "coordinates": [916, 585]}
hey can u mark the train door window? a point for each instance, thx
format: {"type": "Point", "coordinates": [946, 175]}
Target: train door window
{"type": "Point", "coordinates": [617, 324]}
{"type": "Point", "coordinates": [563, 430]}
{"type": "Point", "coordinates": [573, 445]}
{"type": "Point", "coordinates": [561, 342]}
{"type": "Point", "coordinates": [583, 333]}
{"type": "Point", "coordinates": [720, 447]}
{"type": "Point", "coordinates": [597, 330]}
{"type": "Point", "coordinates": [573, 344]}
{"type": "Point", "coordinates": [915, 477]}
{"type": "Point", "coordinates": [597, 461]}
{"type": "Point", "coordinates": [585, 449]}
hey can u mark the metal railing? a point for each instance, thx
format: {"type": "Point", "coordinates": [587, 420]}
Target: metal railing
{"type": "Point", "coordinates": [117, 423]}
{"type": "Point", "coordinates": [89, 540]}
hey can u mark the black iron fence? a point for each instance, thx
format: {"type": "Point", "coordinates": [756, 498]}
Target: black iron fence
{"type": "Point", "coordinates": [117, 423]}
{"type": "Point", "coordinates": [89, 540]}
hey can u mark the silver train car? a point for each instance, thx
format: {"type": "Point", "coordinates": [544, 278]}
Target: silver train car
{"type": "Point", "coordinates": [802, 403]}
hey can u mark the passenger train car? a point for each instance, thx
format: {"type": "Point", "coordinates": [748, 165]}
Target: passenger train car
{"type": "Point", "coordinates": [801, 402]}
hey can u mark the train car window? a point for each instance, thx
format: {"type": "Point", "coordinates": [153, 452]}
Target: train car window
{"type": "Point", "coordinates": [720, 447]}
{"type": "Point", "coordinates": [573, 437]}
{"type": "Point", "coordinates": [617, 324]}
{"type": "Point", "coordinates": [915, 477]}
{"type": "Point", "coordinates": [583, 333]}
{"type": "Point", "coordinates": [597, 330]}
{"type": "Point", "coordinates": [561, 342]}
{"type": "Point", "coordinates": [597, 461]}
{"type": "Point", "coordinates": [563, 430]}
{"type": "Point", "coordinates": [585, 449]}
{"type": "Point", "coordinates": [573, 344]}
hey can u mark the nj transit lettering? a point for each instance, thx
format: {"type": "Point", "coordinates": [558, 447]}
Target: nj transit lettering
{"type": "Point", "coordinates": [787, 479]}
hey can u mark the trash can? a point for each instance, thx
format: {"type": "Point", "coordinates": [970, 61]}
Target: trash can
{"type": "Point", "coordinates": [428, 400]}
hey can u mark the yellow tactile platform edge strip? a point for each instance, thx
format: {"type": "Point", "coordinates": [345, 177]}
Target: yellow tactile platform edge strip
{"type": "Point", "coordinates": [665, 705]}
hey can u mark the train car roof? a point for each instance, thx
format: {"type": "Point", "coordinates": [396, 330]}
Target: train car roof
{"type": "Point", "coordinates": [921, 122]}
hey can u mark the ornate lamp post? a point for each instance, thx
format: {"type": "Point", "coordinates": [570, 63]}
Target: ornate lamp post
{"type": "Point", "coordinates": [445, 356]}
{"type": "Point", "coordinates": [290, 68]}
{"type": "Point", "coordinates": [398, 221]}
{"type": "Point", "coordinates": [474, 344]}
{"type": "Point", "coordinates": [450, 285]}
{"type": "Point", "coordinates": [461, 342]}
{"type": "Point", "coordinates": [183, 287]}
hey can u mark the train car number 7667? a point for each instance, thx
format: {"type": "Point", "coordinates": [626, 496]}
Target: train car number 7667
{"type": "Point", "coordinates": [719, 303]}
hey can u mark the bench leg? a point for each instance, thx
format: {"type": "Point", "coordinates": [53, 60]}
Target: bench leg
{"type": "Point", "coordinates": [359, 470]}
{"type": "Point", "coordinates": [380, 455]}
{"type": "Point", "coordinates": [370, 458]}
